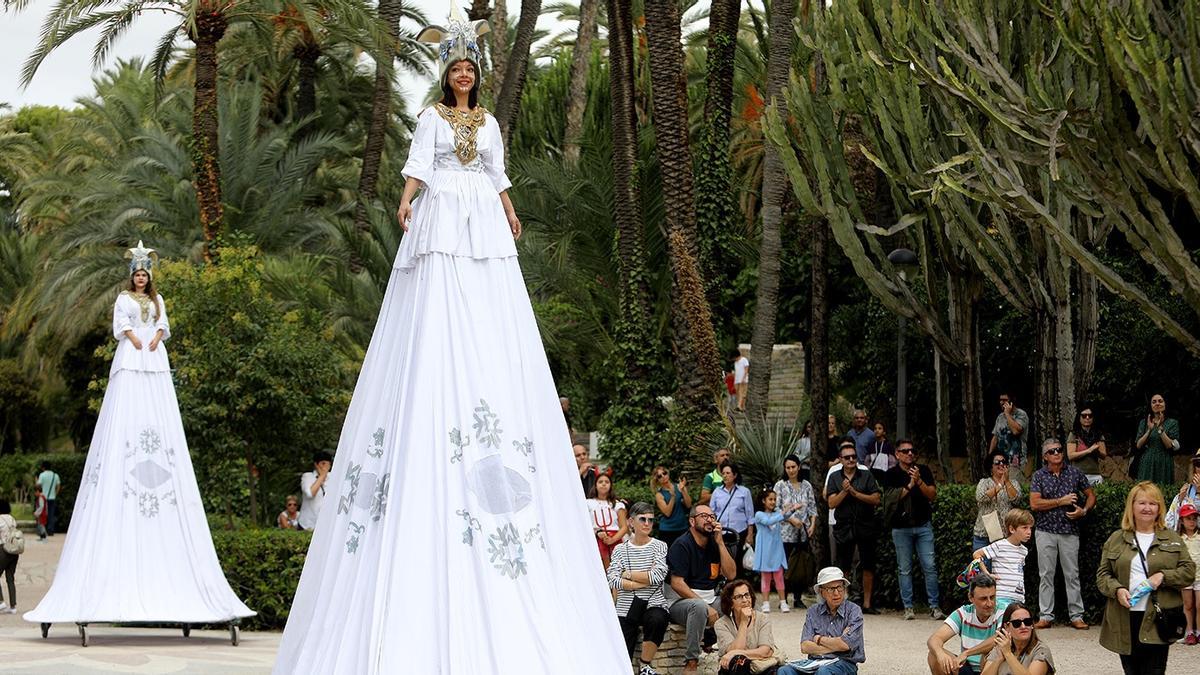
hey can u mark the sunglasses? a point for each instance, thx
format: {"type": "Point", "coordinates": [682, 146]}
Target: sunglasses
{"type": "Point", "coordinates": [849, 457]}
{"type": "Point", "coordinates": [1087, 415]}
{"type": "Point", "coordinates": [1017, 623]}
{"type": "Point", "coordinates": [1053, 451]}
{"type": "Point", "coordinates": [904, 451]}
{"type": "Point", "coordinates": [999, 462]}
{"type": "Point", "coordinates": [645, 519]}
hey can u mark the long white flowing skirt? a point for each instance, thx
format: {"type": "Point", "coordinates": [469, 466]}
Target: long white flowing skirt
{"type": "Point", "coordinates": [454, 538]}
{"type": "Point", "coordinates": [138, 548]}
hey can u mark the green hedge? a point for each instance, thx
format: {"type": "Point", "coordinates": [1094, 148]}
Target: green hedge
{"type": "Point", "coordinates": [263, 567]}
{"type": "Point", "coordinates": [18, 473]}
{"type": "Point", "coordinates": [953, 520]}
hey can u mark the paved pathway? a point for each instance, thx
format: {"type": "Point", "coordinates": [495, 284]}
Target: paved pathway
{"type": "Point", "coordinates": [894, 646]}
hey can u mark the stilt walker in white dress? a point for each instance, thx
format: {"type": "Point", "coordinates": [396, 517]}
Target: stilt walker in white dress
{"type": "Point", "coordinates": [454, 539]}
{"type": "Point", "coordinates": [138, 548]}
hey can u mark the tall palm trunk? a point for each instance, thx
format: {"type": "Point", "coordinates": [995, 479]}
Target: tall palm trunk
{"type": "Point", "coordinates": [716, 201]}
{"type": "Point", "coordinates": [306, 53]}
{"type": "Point", "coordinates": [498, 48]}
{"type": "Point", "coordinates": [381, 111]}
{"type": "Point", "coordinates": [206, 135]}
{"type": "Point", "coordinates": [581, 58]}
{"type": "Point", "coordinates": [508, 104]}
{"type": "Point", "coordinates": [766, 308]}
{"type": "Point", "coordinates": [697, 362]}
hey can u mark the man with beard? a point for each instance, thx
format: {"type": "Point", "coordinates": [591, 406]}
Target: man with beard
{"type": "Point", "coordinates": [696, 562]}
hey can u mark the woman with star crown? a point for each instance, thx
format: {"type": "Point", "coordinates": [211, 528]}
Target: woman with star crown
{"type": "Point", "coordinates": [454, 539]}
{"type": "Point", "coordinates": [138, 548]}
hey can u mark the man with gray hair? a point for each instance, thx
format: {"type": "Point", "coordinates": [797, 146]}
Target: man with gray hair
{"type": "Point", "coordinates": [1054, 497]}
{"type": "Point", "coordinates": [974, 623]}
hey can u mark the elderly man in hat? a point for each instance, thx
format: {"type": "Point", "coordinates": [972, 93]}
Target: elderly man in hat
{"type": "Point", "coordinates": [833, 628]}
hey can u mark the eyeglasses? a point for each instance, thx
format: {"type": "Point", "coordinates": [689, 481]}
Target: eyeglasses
{"type": "Point", "coordinates": [742, 596]}
{"type": "Point", "coordinates": [840, 588]}
{"type": "Point", "coordinates": [846, 458]}
{"type": "Point", "coordinates": [660, 475]}
{"type": "Point", "coordinates": [1053, 451]}
{"type": "Point", "coordinates": [1017, 623]}
{"type": "Point", "coordinates": [706, 516]}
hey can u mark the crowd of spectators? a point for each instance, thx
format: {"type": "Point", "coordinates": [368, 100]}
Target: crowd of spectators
{"type": "Point", "coordinates": [690, 570]}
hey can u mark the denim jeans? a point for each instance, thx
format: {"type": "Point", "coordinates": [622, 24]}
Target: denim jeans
{"type": "Point", "coordinates": [840, 667]}
{"type": "Point", "coordinates": [906, 540]}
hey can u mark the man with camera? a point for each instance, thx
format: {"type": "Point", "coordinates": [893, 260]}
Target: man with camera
{"type": "Point", "coordinates": [697, 562]}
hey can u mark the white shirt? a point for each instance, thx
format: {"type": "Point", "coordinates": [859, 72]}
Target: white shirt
{"type": "Point", "coordinates": [143, 319]}
{"type": "Point", "coordinates": [741, 371]}
{"type": "Point", "coordinates": [310, 504]}
{"type": "Point", "coordinates": [604, 515]}
{"type": "Point", "coordinates": [1137, 573]}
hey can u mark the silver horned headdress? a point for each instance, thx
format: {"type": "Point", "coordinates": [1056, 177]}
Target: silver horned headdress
{"type": "Point", "coordinates": [457, 41]}
{"type": "Point", "coordinates": [142, 258]}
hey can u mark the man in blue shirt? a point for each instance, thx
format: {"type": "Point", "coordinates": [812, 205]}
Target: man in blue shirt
{"type": "Point", "coordinates": [1054, 496]}
{"type": "Point", "coordinates": [862, 435]}
{"type": "Point", "coordinates": [833, 629]}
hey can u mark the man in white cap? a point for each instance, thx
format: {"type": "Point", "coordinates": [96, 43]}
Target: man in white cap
{"type": "Point", "coordinates": [833, 628]}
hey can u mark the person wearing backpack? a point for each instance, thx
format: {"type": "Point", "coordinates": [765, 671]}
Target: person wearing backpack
{"type": "Point", "coordinates": [12, 545]}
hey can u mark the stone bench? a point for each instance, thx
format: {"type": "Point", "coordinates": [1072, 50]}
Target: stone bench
{"type": "Point", "coordinates": [669, 659]}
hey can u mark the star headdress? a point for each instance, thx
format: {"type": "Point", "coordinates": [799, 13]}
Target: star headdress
{"type": "Point", "coordinates": [142, 258]}
{"type": "Point", "coordinates": [458, 40]}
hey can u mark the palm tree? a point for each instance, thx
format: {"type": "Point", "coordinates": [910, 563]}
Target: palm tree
{"type": "Point", "coordinates": [204, 22]}
{"type": "Point", "coordinates": [696, 359]}
{"type": "Point", "coordinates": [766, 308]}
{"type": "Point", "coordinates": [508, 102]}
{"type": "Point", "coordinates": [581, 57]}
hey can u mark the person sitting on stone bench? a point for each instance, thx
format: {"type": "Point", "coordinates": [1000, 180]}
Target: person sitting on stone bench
{"type": "Point", "coordinates": [637, 571]}
{"type": "Point", "coordinates": [696, 561]}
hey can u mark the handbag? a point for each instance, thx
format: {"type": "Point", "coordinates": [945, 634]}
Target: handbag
{"type": "Point", "coordinates": [801, 568]}
{"type": "Point", "coordinates": [1170, 622]}
{"type": "Point", "coordinates": [991, 526]}
{"type": "Point", "coordinates": [748, 558]}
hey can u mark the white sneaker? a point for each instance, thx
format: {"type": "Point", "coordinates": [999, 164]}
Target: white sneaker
{"type": "Point", "coordinates": [766, 607]}
{"type": "Point", "coordinates": [784, 606]}
{"type": "Point", "coordinates": [908, 614]}
{"type": "Point", "coordinates": [11, 610]}
{"type": "Point", "coordinates": [647, 669]}
{"type": "Point", "coordinates": [3, 607]}
{"type": "Point", "coordinates": [936, 614]}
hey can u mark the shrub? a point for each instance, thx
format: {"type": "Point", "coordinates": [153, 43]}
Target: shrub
{"type": "Point", "coordinates": [18, 474]}
{"type": "Point", "coordinates": [263, 567]}
{"type": "Point", "coordinates": [953, 520]}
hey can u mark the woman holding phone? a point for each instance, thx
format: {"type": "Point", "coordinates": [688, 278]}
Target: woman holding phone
{"type": "Point", "coordinates": [1018, 650]}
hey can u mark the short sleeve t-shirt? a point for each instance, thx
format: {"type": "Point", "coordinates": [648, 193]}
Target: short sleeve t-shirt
{"type": "Point", "coordinates": [1013, 446]}
{"type": "Point", "coordinates": [698, 566]}
{"type": "Point", "coordinates": [972, 630]}
{"type": "Point", "coordinates": [1053, 486]}
{"type": "Point", "coordinates": [741, 371]}
{"type": "Point", "coordinates": [310, 504]}
{"type": "Point", "coordinates": [1007, 561]}
{"type": "Point", "coordinates": [50, 483]}
{"type": "Point", "coordinates": [605, 516]}
{"type": "Point", "coordinates": [853, 512]}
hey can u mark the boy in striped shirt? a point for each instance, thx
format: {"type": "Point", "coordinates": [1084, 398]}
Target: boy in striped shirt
{"type": "Point", "coordinates": [1005, 558]}
{"type": "Point", "coordinates": [975, 625]}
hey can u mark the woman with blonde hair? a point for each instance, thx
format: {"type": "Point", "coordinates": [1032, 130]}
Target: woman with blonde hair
{"type": "Point", "coordinates": [1143, 564]}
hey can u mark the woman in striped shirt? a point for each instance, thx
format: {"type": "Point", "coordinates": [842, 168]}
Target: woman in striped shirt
{"type": "Point", "coordinates": [637, 572]}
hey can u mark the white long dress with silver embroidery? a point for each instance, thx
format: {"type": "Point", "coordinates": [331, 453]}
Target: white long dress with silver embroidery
{"type": "Point", "coordinates": [138, 548]}
{"type": "Point", "coordinates": [454, 537]}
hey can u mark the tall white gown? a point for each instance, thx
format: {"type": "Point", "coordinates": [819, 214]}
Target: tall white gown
{"type": "Point", "coordinates": [138, 548]}
{"type": "Point", "coordinates": [454, 537]}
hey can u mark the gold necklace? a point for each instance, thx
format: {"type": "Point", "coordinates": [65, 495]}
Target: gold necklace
{"type": "Point", "coordinates": [466, 126]}
{"type": "Point", "coordinates": [143, 301]}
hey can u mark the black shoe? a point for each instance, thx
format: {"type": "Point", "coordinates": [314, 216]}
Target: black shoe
{"type": "Point", "coordinates": [870, 610]}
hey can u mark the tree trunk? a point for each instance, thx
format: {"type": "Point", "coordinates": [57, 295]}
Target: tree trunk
{"type": "Point", "coordinates": [818, 350]}
{"type": "Point", "coordinates": [306, 53]}
{"type": "Point", "coordinates": [581, 59]}
{"type": "Point", "coordinates": [206, 135]}
{"type": "Point", "coordinates": [498, 48]}
{"type": "Point", "coordinates": [508, 104]}
{"type": "Point", "coordinates": [775, 184]}
{"type": "Point", "coordinates": [479, 10]}
{"type": "Point", "coordinates": [381, 115]}
{"type": "Point", "coordinates": [942, 402]}
{"type": "Point", "coordinates": [253, 482]}
{"type": "Point", "coordinates": [697, 361]}
{"type": "Point", "coordinates": [717, 206]}
{"type": "Point", "coordinates": [964, 330]}
{"type": "Point", "coordinates": [1088, 312]}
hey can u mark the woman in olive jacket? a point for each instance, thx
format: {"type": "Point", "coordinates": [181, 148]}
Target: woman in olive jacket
{"type": "Point", "coordinates": [1129, 630]}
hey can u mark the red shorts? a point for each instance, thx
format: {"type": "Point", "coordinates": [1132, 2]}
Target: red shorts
{"type": "Point", "coordinates": [606, 549]}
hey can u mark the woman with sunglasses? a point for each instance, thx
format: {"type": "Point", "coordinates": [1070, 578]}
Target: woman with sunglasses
{"type": "Point", "coordinates": [1144, 562]}
{"type": "Point", "coordinates": [673, 503]}
{"type": "Point", "coordinates": [1086, 446]}
{"type": "Point", "coordinates": [994, 494]}
{"type": "Point", "coordinates": [289, 518]}
{"type": "Point", "coordinates": [1018, 650]}
{"type": "Point", "coordinates": [1189, 493]}
{"type": "Point", "coordinates": [638, 569]}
